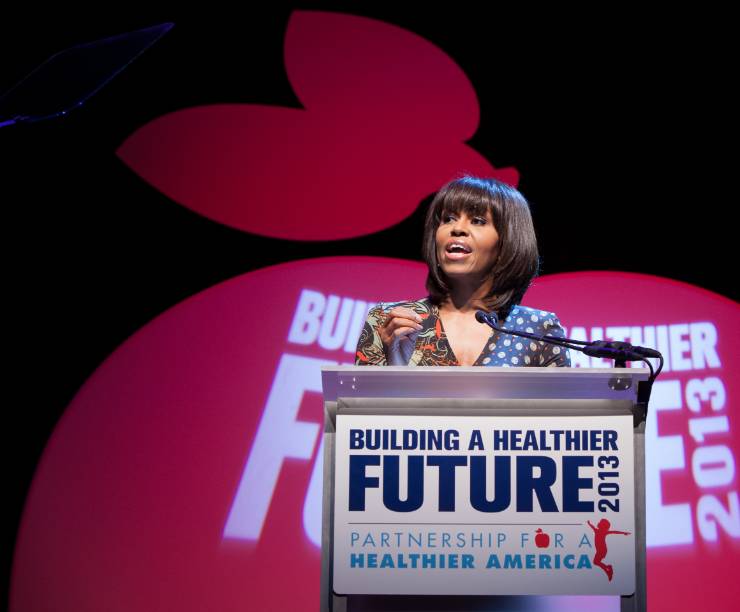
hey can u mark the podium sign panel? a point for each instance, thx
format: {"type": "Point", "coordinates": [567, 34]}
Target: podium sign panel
{"type": "Point", "coordinates": [483, 505]}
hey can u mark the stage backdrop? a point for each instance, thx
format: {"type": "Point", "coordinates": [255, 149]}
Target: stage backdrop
{"type": "Point", "coordinates": [185, 473]}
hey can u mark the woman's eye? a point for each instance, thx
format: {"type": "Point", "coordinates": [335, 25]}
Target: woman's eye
{"type": "Point", "coordinates": [447, 218]}
{"type": "Point", "coordinates": [480, 220]}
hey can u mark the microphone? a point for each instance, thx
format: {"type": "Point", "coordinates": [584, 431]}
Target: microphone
{"type": "Point", "coordinates": [487, 318]}
{"type": "Point", "coordinates": [620, 352]}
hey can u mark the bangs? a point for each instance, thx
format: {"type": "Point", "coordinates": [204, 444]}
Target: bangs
{"type": "Point", "coordinates": [470, 196]}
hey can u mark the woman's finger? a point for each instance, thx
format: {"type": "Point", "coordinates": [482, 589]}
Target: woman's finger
{"type": "Point", "coordinates": [404, 331]}
{"type": "Point", "coordinates": [399, 323]}
{"type": "Point", "coordinates": [402, 317]}
{"type": "Point", "coordinates": [405, 313]}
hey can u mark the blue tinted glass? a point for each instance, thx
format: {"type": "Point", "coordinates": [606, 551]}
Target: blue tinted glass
{"type": "Point", "coordinates": [68, 78]}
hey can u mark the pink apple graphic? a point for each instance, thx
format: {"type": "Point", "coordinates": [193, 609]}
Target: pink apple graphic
{"type": "Point", "coordinates": [385, 121]}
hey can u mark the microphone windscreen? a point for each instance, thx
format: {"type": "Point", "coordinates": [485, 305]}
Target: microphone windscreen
{"type": "Point", "coordinates": [646, 352]}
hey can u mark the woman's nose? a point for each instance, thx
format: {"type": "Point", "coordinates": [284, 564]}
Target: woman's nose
{"type": "Point", "coordinates": [459, 227]}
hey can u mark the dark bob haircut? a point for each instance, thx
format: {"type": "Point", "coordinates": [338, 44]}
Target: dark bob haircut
{"type": "Point", "coordinates": [518, 260]}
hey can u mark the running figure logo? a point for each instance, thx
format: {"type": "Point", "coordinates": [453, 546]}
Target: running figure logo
{"type": "Point", "coordinates": [600, 534]}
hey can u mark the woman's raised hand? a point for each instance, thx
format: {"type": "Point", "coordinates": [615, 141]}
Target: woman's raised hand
{"type": "Point", "coordinates": [398, 334]}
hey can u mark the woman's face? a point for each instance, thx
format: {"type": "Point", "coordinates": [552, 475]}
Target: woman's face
{"type": "Point", "coordinates": [467, 246]}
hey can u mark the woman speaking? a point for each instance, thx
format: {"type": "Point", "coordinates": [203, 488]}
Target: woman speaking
{"type": "Point", "coordinates": [481, 250]}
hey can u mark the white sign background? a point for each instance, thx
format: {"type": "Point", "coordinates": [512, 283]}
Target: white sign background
{"type": "Point", "coordinates": [379, 531]}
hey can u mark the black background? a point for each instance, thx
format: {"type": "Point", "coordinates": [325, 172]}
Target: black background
{"type": "Point", "coordinates": [619, 124]}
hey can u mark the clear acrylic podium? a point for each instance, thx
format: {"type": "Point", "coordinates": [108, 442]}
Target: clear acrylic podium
{"type": "Point", "coordinates": [522, 392]}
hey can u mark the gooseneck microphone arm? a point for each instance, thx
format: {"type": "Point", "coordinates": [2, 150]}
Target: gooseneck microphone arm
{"type": "Point", "coordinates": [620, 352]}
{"type": "Point", "coordinates": [491, 319]}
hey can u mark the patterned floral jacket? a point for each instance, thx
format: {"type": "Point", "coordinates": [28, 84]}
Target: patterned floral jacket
{"type": "Point", "coordinates": [501, 350]}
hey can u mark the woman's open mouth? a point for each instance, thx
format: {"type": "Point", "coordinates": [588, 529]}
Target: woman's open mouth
{"type": "Point", "coordinates": [456, 250]}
